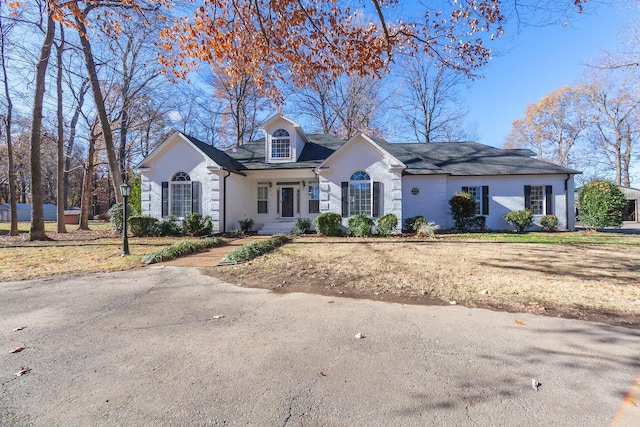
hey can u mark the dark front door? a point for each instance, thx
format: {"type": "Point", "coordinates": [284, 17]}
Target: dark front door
{"type": "Point", "coordinates": [287, 202]}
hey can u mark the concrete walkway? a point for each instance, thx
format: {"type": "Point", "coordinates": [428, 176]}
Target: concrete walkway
{"type": "Point", "coordinates": [213, 256]}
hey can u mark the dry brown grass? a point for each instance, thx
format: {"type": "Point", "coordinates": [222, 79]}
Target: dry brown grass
{"type": "Point", "coordinates": [73, 252]}
{"type": "Point", "coordinates": [579, 281]}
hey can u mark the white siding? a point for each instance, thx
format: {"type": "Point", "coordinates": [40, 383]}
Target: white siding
{"type": "Point", "coordinates": [431, 201]}
{"type": "Point", "coordinates": [359, 155]}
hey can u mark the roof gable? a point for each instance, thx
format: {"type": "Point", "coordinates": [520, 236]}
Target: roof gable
{"type": "Point", "coordinates": [220, 158]}
{"type": "Point", "coordinates": [392, 161]}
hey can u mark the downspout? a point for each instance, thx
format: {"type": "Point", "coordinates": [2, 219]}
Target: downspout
{"type": "Point", "coordinates": [566, 201]}
{"type": "Point", "coordinates": [224, 201]}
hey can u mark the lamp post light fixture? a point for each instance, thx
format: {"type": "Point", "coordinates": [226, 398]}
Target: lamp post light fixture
{"type": "Point", "coordinates": [125, 191]}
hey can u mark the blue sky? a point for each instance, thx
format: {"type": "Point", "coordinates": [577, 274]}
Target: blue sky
{"type": "Point", "coordinates": [534, 62]}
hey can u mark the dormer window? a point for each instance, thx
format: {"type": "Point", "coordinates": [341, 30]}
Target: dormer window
{"type": "Point", "coordinates": [280, 145]}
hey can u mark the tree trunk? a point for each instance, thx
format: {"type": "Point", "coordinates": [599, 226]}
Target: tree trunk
{"type": "Point", "coordinates": [72, 134]}
{"type": "Point", "coordinates": [100, 107]}
{"type": "Point", "coordinates": [60, 193]}
{"type": "Point", "coordinates": [37, 231]}
{"type": "Point", "coordinates": [13, 197]}
{"type": "Point", "coordinates": [86, 185]}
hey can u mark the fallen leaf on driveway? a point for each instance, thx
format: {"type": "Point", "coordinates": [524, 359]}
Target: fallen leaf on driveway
{"type": "Point", "coordinates": [18, 349]}
{"type": "Point", "coordinates": [218, 316]}
{"type": "Point", "coordinates": [23, 370]}
{"type": "Point", "coordinates": [322, 374]}
{"type": "Point", "coordinates": [359, 335]}
{"type": "Point", "coordinates": [535, 384]}
{"type": "Point", "coordinates": [19, 328]}
{"type": "Point", "coordinates": [518, 322]}
{"type": "Point", "coordinates": [629, 401]}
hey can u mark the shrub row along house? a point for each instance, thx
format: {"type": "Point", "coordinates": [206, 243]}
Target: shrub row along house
{"type": "Point", "coordinates": [290, 174]}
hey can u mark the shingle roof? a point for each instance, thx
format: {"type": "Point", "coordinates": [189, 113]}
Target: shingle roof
{"type": "Point", "coordinates": [468, 159]}
{"type": "Point", "coordinates": [319, 147]}
{"type": "Point", "coordinates": [448, 158]}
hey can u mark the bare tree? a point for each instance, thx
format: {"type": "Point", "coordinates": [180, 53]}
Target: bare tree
{"type": "Point", "coordinates": [431, 93]}
{"type": "Point", "coordinates": [343, 106]}
{"type": "Point", "coordinates": [7, 121]}
{"type": "Point", "coordinates": [614, 120]}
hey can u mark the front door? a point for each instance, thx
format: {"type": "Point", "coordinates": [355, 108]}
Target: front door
{"type": "Point", "coordinates": [286, 197]}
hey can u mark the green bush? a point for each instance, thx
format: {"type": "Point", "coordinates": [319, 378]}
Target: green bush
{"type": "Point", "coordinates": [427, 229]}
{"type": "Point", "coordinates": [478, 223]}
{"type": "Point", "coordinates": [183, 247]}
{"type": "Point", "coordinates": [601, 204]}
{"type": "Point", "coordinates": [387, 223]}
{"type": "Point", "coordinates": [195, 224]}
{"type": "Point", "coordinates": [549, 223]}
{"type": "Point", "coordinates": [463, 210]}
{"type": "Point", "coordinates": [414, 222]}
{"type": "Point", "coordinates": [142, 225]}
{"type": "Point", "coordinates": [360, 226]}
{"type": "Point", "coordinates": [328, 224]}
{"type": "Point", "coordinates": [255, 248]}
{"type": "Point", "coordinates": [521, 220]}
{"type": "Point", "coordinates": [246, 225]}
{"type": "Point", "coordinates": [303, 225]}
{"type": "Point", "coordinates": [168, 226]}
{"type": "Point", "coordinates": [116, 214]}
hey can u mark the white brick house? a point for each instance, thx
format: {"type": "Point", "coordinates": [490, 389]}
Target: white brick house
{"type": "Point", "coordinates": [290, 174]}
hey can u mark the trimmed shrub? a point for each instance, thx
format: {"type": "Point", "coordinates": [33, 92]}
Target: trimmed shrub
{"type": "Point", "coordinates": [521, 220]}
{"type": "Point", "coordinates": [601, 204]}
{"type": "Point", "coordinates": [183, 247]}
{"type": "Point", "coordinates": [427, 229]}
{"type": "Point", "coordinates": [549, 223]}
{"type": "Point", "coordinates": [303, 225]}
{"type": "Point", "coordinates": [414, 222]}
{"type": "Point", "coordinates": [195, 224]}
{"type": "Point", "coordinates": [255, 248]}
{"type": "Point", "coordinates": [387, 223]}
{"type": "Point", "coordinates": [116, 215]}
{"type": "Point", "coordinates": [168, 226]}
{"type": "Point", "coordinates": [142, 225]}
{"type": "Point", "coordinates": [360, 226]}
{"type": "Point", "coordinates": [328, 224]}
{"type": "Point", "coordinates": [463, 210]}
{"type": "Point", "coordinates": [478, 223]}
{"type": "Point", "coordinates": [246, 225]}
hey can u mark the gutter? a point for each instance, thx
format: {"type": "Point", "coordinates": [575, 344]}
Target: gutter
{"type": "Point", "coordinates": [224, 200]}
{"type": "Point", "coordinates": [566, 201]}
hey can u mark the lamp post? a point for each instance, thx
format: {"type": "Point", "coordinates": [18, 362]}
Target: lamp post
{"type": "Point", "coordinates": [125, 190]}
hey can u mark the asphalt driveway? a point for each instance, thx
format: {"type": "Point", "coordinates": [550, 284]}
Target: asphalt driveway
{"type": "Point", "coordinates": [169, 346]}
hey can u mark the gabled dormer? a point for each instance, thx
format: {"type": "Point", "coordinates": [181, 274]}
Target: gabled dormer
{"type": "Point", "coordinates": [284, 140]}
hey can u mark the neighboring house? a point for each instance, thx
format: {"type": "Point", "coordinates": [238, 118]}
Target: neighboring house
{"type": "Point", "coordinates": [631, 212]}
{"type": "Point", "coordinates": [24, 212]}
{"type": "Point", "coordinates": [290, 174]}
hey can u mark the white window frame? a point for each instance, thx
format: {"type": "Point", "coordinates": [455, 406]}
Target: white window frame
{"type": "Point", "coordinates": [281, 144]}
{"type": "Point", "coordinates": [262, 186]}
{"type": "Point", "coordinates": [359, 193]}
{"type": "Point", "coordinates": [180, 185]}
{"type": "Point", "coordinates": [314, 196]}
{"type": "Point", "coordinates": [476, 192]}
{"type": "Point", "coordinates": [539, 199]}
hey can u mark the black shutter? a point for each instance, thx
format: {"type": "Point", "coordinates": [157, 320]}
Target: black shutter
{"type": "Point", "coordinates": [195, 197]}
{"type": "Point", "coordinates": [548, 199]}
{"type": "Point", "coordinates": [165, 199]}
{"type": "Point", "coordinates": [465, 189]}
{"type": "Point", "coordinates": [345, 199]}
{"type": "Point", "coordinates": [485, 200]}
{"type": "Point", "coordinates": [527, 197]}
{"type": "Point", "coordinates": [376, 199]}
